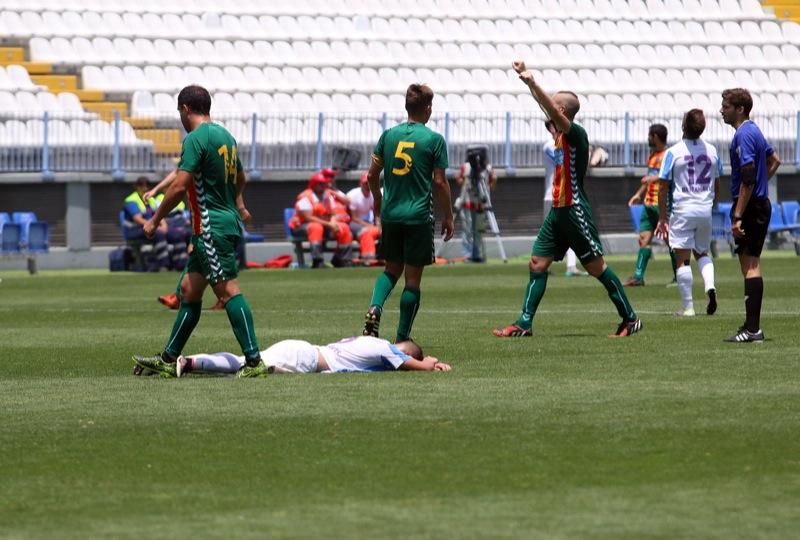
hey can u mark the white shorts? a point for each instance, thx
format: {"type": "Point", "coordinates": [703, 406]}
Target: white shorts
{"type": "Point", "coordinates": [690, 232]}
{"type": "Point", "coordinates": [291, 356]}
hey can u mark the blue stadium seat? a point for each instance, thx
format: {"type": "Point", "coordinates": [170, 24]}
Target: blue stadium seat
{"type": "Point", "coordinates": [790, 212]}
{"type": "Point", "coordinates": [10, 238]}
{"type": "Point", "coordinates": [636, 216]}
{"type": "Point", "coordinates": [38, 237]}
{"type": "Point", "coordinates": [776, 223]}
{"type": "Point", "coordinates": [4, 218]}
{"type": "Point", "coordinates": [251, 237]}
{"type": "Point", "coordinates": [287, 215]}
{"type": "Point", "coordinates": [34, 234]}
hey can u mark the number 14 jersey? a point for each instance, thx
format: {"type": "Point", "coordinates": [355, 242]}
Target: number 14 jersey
{"type": "Point", "coordinates": [691, 166]}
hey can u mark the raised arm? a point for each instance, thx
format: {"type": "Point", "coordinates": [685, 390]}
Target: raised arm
{"type": "Point", "coordinates": [561, 122]}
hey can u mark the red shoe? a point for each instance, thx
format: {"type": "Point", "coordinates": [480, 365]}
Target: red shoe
{"type": "Point", "coordinates": [627, 329]}
{"type": "Point", "coordinates": [170, 300]}
{"type": "Point", "coordinates": [220, 305]}
{"type": "Point", "coordinates": [634, 282]}
{"type": "Point", "coordinates": [512, 330]}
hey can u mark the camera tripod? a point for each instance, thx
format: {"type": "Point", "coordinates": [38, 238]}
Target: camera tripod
{"type": "Point", "coordinates": [480, 189]}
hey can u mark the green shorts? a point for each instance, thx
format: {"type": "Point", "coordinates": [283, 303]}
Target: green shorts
{"type": "Point", "coordinates": [214, 257]}
{"type": "Point", "coordinates": [649, 218]}
{"type": "Point", "coordinates": [407, 243]}
{"type": "Point", "coordinates": [564, 228]}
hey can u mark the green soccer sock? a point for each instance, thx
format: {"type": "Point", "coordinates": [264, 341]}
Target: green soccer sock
{"type": "Point", "coordinates": [674, 264]}
{"type": "Point", "coordinates": [641, 262]}
{"type": "Point", "coordinates": [180, 280]}
{"type": "Point", "coordinates": [533, 295]}
{"type": "Point", "coordinates": [617, 294]}
{"type": "Point", "coordinates": [188, 315]}
{"type": "Point", "coordinates": [383, 288]}
{"type": "Point", "coordinates": [409, 306]}
{"type": "Point", "coordinates": [241, 319]}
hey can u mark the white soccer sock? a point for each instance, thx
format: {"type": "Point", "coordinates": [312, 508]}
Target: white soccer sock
{"type": "Point", "coordinates": [572, 260]}
{"type": "Point", "coordinates": [223, 362]}
{"type": "Point", "coordinates": [706, 267]}
{"type": "Point", "coordinates": [684, 275]}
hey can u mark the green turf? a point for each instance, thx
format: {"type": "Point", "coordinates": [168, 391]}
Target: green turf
{"type": "Point", "coordinates": [669, 434]}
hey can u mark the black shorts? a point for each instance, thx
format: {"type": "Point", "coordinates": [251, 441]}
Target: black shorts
{"type": "Point", "coordinates": [755, 223]}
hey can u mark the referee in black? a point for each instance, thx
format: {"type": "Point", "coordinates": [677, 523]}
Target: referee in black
{"type": "Point", "coordinates": [753, 162]}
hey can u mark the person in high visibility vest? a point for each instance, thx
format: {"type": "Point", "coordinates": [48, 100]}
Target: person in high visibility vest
{"type": "Point", "coordinates": [362, 223]}
{"type": "Point", "coordinates": [178, 232]}
{"type": "Point", "coordinates": [137, 211]}
{"type": "Point", "coordinates": [313, 215]}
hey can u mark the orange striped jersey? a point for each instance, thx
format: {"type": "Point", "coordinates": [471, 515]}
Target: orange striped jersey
{"type": "Point", "coordinates": [572, 159]}
{"type": "Point", "coordinates": [653, 166]}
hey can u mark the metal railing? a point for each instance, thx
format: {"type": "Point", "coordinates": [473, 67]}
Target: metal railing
{"type": "Point", "coordinates": [54, 142]}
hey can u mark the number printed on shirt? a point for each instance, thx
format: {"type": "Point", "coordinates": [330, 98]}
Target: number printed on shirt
{"type": "Point", "coordinates": [704, 178]}
{"type": "Point", "coordinates": [230, 164]}
{"type": "Point", "coordinates": [401, 153]}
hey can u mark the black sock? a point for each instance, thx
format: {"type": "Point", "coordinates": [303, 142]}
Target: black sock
{"type": "Point", "coordinates": [753, 293]}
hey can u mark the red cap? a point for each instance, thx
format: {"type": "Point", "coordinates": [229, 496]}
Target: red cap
{"type": "Point", "coordinates": [328, 172]}
{"type": "Point", "coordinates": [318, 178]}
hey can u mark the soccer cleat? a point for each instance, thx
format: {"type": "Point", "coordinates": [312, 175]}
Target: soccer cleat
{"type": "Point", "coordinates": [673, 283]}
{"type": "Point", "coordinates": [171, 301]}
{"type": "Point", "coordinates": [512, 330]}
{"type": "Point", "coordinates": [689, 312]}
{"type": "Point", "coordinates": [372, 322]}
{"type": "Point", "coordinates": [247, 372]}
{"type": "Point", "coordinates": [634, 282]}
{"type": "Point", "coordinates": [180, 365]}
{"type": "Point", "coordinates": [743, 335]}
{"type": "Point", "coordinates": [627, 328]}
{"type": "Point", "coordinates": [711, 308]}
{"type": "Point", "coordinates": [155, 363]}
{"type": "Point", "coordinates": [139, 371]}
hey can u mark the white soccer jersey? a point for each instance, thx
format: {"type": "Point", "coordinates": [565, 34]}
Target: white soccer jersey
{"type": "Point", "coordinates": [361, 205]}
{"type": "Point", "coordinates": [363, 353]}
{"type": "Point", "coordinates": [691, 167]}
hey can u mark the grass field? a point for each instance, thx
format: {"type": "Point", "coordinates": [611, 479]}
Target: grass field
{"type": "Point", "coordinates": [668, 434]}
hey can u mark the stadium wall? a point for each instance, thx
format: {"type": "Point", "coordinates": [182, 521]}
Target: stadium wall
{"type": "Point", "coordinates": [83, 212]}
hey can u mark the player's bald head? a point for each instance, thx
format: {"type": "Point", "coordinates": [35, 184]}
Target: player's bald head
{"type": "Point", "coordinates": [568, 101]}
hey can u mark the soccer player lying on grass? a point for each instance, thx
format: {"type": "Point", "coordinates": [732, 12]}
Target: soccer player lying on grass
{"type": "Point", "coordinates": [362, 353]}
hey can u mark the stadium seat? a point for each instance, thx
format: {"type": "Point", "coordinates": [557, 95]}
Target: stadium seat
{"type": "Point", "coordinates": [10, 238]}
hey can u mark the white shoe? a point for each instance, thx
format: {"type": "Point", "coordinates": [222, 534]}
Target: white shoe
{"type": "Point", "coordinates": [685, 313]}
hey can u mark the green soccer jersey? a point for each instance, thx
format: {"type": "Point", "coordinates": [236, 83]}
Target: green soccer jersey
{"type": "Point", "coordinates": [409, 152]}
{"type": "Point", "coordinates": [209, 153]}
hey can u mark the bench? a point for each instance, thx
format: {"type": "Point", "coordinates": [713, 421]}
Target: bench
{"type": "Point", "coordinates": [23, 235]}
{"type": "Point", "coordinates": [300, 241]}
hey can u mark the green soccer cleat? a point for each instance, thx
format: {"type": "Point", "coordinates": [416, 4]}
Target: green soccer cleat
{"type": "Point", "coordinates": [261, 370]}
{"type": "Point", "coordinates": [155, 363]}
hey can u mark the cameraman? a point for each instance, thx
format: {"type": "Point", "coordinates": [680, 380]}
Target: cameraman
{"type": "Point", "coordinates": [471, 202]}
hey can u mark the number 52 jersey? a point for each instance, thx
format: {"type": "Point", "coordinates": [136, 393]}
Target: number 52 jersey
{"type": "Point", "coordinates": [408, 153]}
{"type": "Point", "coordinates": [691, 167]}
